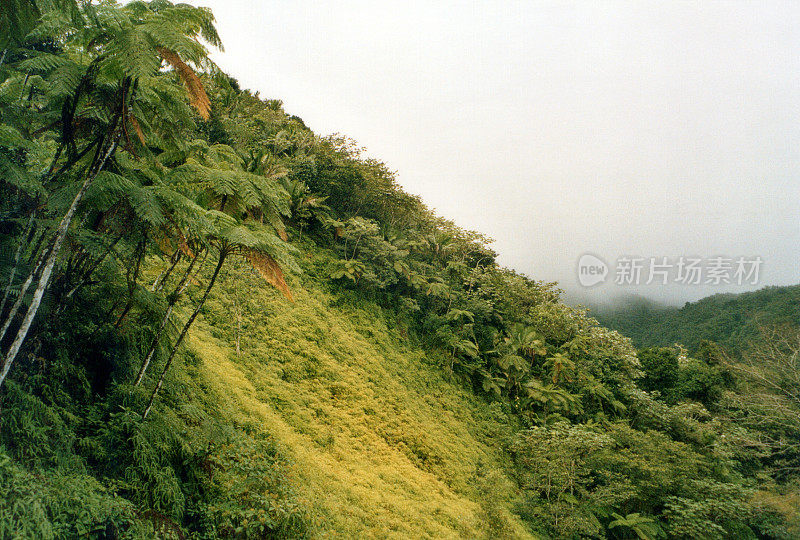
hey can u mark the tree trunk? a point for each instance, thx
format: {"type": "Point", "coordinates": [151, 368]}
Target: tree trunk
{"type": "Point", "coordinates": [158, 284]}
{"type": "Point", "coordinates": [17, 256]}
{"type": "Point", "coordinates": [71, 161]}
{"type": "Point", "coordinates": [44, 280]}
{"type": "Point", "coordinates": [173, 300]}
{"type": "Point", "coordinates": [22, 292]}
{"type": "Point", "coordinates": [24, 84]}
{"type": "Point", "coordinates": [34, 254]}
{"type": "Point", "coordinates": [87, 274]}
{"type": "Point", "coordinates": [185, 329]}
{"type": "Point", "coordinates": [138, 256]}
{"type": "Point", "coordinates": [53, 163]}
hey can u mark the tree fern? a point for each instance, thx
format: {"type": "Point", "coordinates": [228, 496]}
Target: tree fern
{"type": "Point", "coordinates": [42, 62]}
{"type": "Point", "coordinates": [128, 51]}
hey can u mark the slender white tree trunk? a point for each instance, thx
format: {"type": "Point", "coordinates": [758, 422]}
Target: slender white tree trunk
{"type": "Point", "coordinates": [22, 292]}
{"type": "Point", "coordinates": [183, 333]}
{"type": "Point", "coordinates": [158, 284]}
{"type": "Point", "coordinates": [17, 257]}
{"type": "Point", "coordinates": [153, 346]}
{"type": "Point", "coordinates": [175, 295]}
{"type": "Point", "coordinates": [44, 279]}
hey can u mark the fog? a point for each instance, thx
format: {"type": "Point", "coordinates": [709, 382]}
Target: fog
{"type": "Point", "coordinates": [618, 129]}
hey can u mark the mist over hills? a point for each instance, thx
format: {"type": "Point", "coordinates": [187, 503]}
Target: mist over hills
{"type": "Point", "coordinates": [732, 320]}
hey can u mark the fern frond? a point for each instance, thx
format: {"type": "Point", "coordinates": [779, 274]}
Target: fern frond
{"type": "Point", "coordinates": [64, 79]}
{"type": "Point", "coordinates": [107, 188]}
{"type": "Point", "coordinates": [222, 153]}
{"type": "Point", "coordinates": [220, 219]}
{"type": "Point", "coordinates": [270, 270]}
{"type": "Point", "coordinates": [95, 243]}
{"type": "Point", "coordinates": [240, 236]}
{"type": "Point", "coordinates": [19, 177]}
{"type": "Point", "coordinates": [17, 17]}
{"type": "Point", "coordinates": [42, 62]}
{"type": "Point", "coordinates": [170, 35]}
{"type": "Point", "coordinates": [133, 51]}
{"type": "Point", "coordinates": [146, 206]}
{"type": "Point", "coordinates": [137, 128]}
{"type": "Point", "coordinates": [194, 87]}
{"type": "Point", "coordinates": [12, 138]}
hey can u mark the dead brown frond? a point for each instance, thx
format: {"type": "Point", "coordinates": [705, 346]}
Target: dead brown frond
{"type": "Point", "coordinates": [194, 87]}
{"type": "Point", "coordinates": [184, 247]}
{"type": "Point", "coordinates": [183, 243]}
{"type": "Point", "coordinates": [270, 270]}
{"type": "Point", "coordinates": [163, 242]}
{"type": "Point", "coordinates": [136, 127]}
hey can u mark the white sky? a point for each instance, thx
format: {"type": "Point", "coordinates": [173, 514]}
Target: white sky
{"type": "Point", "coordinates": [557, 128]}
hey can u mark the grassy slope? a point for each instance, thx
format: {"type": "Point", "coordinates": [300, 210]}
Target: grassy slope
{"type": "Point", "coordinates": [382, 444]}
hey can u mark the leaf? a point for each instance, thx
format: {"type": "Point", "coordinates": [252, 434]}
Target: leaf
{"type": "Point", "coordinates": [19, 177]}
{"type": "Point", "coordinates": [456, 314]}
{"type": "Point", "coordinates": [12, 138]}
{"type": "Point", "coordinates": [42, 62]}
{"type": "Point", "coordinates": [136, 127]}
{"type": "Point", "coordinates": [270, 270]}
{"type": "Point", "coordinates": [467, 348]}
{"type": "Point", "coordinates": [64, 80]}
{"type": "Point", "coordinates": [194, 87]}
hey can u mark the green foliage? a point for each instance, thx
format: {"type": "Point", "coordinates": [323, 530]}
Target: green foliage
{"type": "Point", "coordinates": [731, 320]}
{"type": "Point", "coordinates": [555, 468]}
{"type": "Point", "coordinates": [660, 368]}
{"type": "Point", "coordinates": [718, 506]}
{"type": "Point", "coordinates": [256, 501]}
{"type": "Point", "coordinates": [413, 388]}
{"type": "Point", "coordinates": [643, 527]}
{"type": "Point", "coordinates": [351, 270]}
{"type": "Point", "coordinates": [61, 505]}
{"type": "Point", "coordinates": [676, 377]}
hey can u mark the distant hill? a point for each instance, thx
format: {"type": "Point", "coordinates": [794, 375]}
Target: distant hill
{"type": "Point", "coordinates": [728, 319]}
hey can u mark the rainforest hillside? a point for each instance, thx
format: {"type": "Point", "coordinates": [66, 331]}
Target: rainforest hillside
{"type": "Point", "coordinates": [732, 320]}
{"type": "Point", "coordinates": [216, 323]}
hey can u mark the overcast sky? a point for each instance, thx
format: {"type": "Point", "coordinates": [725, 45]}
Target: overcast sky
{"type": "Point", "coordinates": [661, 129]}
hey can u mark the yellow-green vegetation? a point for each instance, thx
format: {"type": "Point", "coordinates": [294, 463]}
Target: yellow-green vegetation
{"type": "Point", "coordinates": [381, 443]}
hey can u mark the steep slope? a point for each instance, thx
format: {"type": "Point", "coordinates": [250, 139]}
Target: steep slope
{"type": "Point", "coordinates": [381, 443]}
{"type": "Point", "coordinates": [414, 388]}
